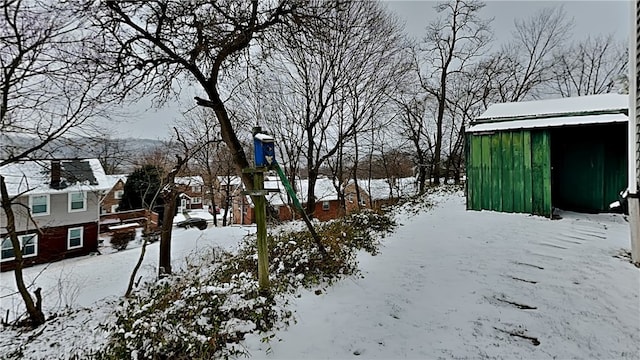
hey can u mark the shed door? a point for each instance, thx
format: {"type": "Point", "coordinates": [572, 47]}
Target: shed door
{"type": "Point", "coordinates": [578, 169]}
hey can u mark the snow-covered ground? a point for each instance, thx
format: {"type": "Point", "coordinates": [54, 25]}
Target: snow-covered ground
{"type": "Point", "coordinates": [91, 286]}
{"type": "Point", "coordinates": [447, 284]}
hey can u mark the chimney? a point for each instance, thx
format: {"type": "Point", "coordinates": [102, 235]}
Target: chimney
{"type": "Point", "coordinates": [55, 174]}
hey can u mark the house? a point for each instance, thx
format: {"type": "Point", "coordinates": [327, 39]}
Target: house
{"type": "Point", "coordinates": [63, 199]}
{"type": "Point", "coordinates": [384, 192]}
{"type": "Point", "coordinates": [533, 156]}
{"type": "Point", "coordinates": [191, 192]}
{"type": "Point", "coordinates": [111, 199]}
{"type": "Point", "coordinates": [327, 205]}
{"type": "Point", "coordinates": [228, 188]}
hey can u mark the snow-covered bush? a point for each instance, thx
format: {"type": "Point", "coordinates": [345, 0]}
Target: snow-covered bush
{"type": "Point", "coordinates": [206, 310]}
{"type": "Point", "coordinates": [120, 239]}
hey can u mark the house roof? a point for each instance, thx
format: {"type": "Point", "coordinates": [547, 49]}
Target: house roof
{"type": "Point", "coordinates": [592, 109]}
{"type": "Point", "coordinates": [381, 189]}
{"type": "Point", "coordinates": [112, 180]}
{"type": "Point", "coordinates": [324, 190]}
{"type": "Point", "coordinates": [34, 177]}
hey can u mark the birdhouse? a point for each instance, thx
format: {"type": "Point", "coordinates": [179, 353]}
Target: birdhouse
{"type": "Point", "coordinates": [264, 150]}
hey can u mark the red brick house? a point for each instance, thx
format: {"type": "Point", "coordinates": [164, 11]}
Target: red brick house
{"type": "Point", "coordinates": [327, 205]}
{"type": "Point", "coordinates": [112, 197]}
{"type": "Point", "coordinates": [63, 199]}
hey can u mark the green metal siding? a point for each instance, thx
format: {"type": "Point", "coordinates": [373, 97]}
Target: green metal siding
{"type": "Point", "coordinates": [510, 171]}
{"type": "Point", "coordinates": [508, 186]}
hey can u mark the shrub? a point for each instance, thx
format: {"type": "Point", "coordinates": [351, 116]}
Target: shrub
{"type": "Point", "coordinates": [205, 311]}
{"type": "Point", "coordinates": [120, 239]}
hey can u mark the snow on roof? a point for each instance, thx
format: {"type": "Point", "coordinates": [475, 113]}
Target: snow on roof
{"type": "Point", "coordinates": [579, 104]}
{"type": "Point", "coordinates": [324, 190]}
{"type": "Point", "coordinates": [581, 110]}
{"type": "Point", "coordinates": [380, 189]}
{"type": "Point", "coordinates": [112, 180]}
{"type": "Point", "coordinates": [263, 137]}
{"type": "Point", "coordinates": [34, 177]}
{"type": "Point", "coordinates": [189, 180]}
{"type": "Point", "coordinates": [548, 122]}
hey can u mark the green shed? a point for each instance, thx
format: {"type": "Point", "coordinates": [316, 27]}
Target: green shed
{"type": "Point", "coordinates": [534, 156]}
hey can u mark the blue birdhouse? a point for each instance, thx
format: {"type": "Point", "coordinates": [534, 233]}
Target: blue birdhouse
{"type": "Point", "coordinates": [264, 150]}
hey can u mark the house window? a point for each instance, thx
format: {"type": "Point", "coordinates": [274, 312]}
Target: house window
{"type": "Point", "coordinates": [325, 205]}
{"type": "Point", "coordinates": [350, 198]}
{"type": "Point", "coordinates": [196, 200]}
{"type": "Point", "coordinates": [118, 194]}
{"type": "Point", "coordinates": [114, 208]}
{"type": "Point", "coordinates": [74, 238]}
{"type": "Point", "coordinates": [196, 189]}
{"type": "Point", "coordinates": [39, 205]}
{"type": "Point", "coordinates": [363, 202]}
{"type": "Point", "coordinates": [28, 244]}
{"type": "Point", "coordinates": [77, 201]}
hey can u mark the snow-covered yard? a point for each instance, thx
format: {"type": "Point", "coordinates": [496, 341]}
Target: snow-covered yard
{"type": "Point", "coordinates": [456, 284]}
{"type": "Point", "coordinates": [447, 284]}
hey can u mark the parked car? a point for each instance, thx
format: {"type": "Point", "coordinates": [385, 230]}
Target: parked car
{"type": "Point", "coordinates": [193, 222]}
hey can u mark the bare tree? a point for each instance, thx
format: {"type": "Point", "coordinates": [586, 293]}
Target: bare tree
{"type": "Point", "coordinates": [335, 80]}
{"type": "Point", "coordinates": [157, 46]}
{"type": "Point", "coordinates": [169, 193]}
{"type": "Point", "coordinates": [467, 100]}
{"type": "Point", "coordinates": [47, 88]}
{"type": "Point", "coordinates": [522, 67]}
{"type": "Point", "coordinates": [47, 91]}
{"type": "Point", "coordinates": [226, 173]}
{"type": "Point", "coordinates": [201, 128]}
{"type": "Point", "coordinates": [451, 43]}
{"type": "Point", "coordinates": [112, 154]}
{"type": "Point", "coordinates": [592, 66]}
{"type": "Point", "coordinates": [412, 115]}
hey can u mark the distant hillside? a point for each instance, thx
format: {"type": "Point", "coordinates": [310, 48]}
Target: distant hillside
{"type": "Point", "coordinates": [78, 147]}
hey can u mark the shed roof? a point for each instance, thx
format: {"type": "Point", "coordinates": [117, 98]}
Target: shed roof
{"type": "Point", "coordinates": [570, 105]}
{"type": "Point", "coordinates": [548, 122]}
{"type": "Point", "coordinates": [582, 110]}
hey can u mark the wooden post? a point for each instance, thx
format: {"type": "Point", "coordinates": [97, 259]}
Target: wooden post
{"type": "Point", "coordinates": [260, 203]}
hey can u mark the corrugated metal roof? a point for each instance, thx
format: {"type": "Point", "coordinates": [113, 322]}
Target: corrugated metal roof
{"type": "Point", "coordinates": [551, 107]}
{"type": "Point", "coordinates": [548, 122]}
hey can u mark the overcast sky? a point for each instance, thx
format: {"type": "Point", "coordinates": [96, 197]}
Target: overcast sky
{"type": "Point", "coordinates": [590, 18]}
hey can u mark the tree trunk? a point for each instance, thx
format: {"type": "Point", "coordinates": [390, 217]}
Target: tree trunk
{"type": "Point", "coordinates": [355, 170]}
{"type": "Point", "coordinates": [212, 198]}
{"type": "Point", "coordinates": [311, 195]}
{"type": "Point", "coordinates": [164, 265]}
{"type": "Point", "coordinates": [36, 316]}
{"type": "Point", "coordinates": [228, 203]}
{"type": "Point", "coordinates": [228, 133]}
{"type": "Point", "coordinates": [132, 278]}
{"type": "Point", "coordinates": [438, 145]}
